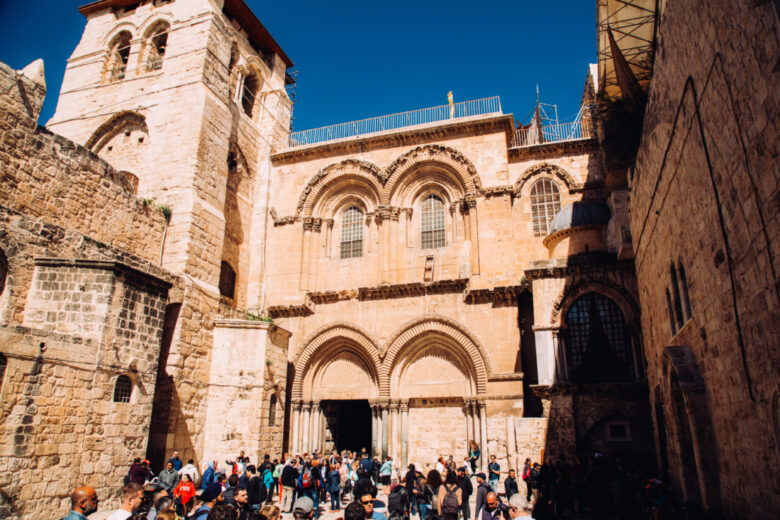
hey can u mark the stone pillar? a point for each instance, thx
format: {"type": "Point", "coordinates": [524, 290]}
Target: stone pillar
{"type": "Point", "coordinates": [374, 430]}
{"type": "Point", "coordinates": [306, 439]}
{"type": "Point", "coordinates": [385, 429]}
{"type": "Point", "coordinates": [394, 411]}
{"type": "Point", "coordinates": [296, 419]}
{"type": "Point", "coordinates": [404, 433]}
{"type": "Point", "coordinates": [483, 434]}
{"type": "Point", "coordinates": [316, 419]}
{"type": "Point", "coordinates": [469, 422]}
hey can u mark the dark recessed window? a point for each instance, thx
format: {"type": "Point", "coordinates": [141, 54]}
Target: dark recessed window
{"type": "Point", "coordinates": [272, 411]}
{"type": "Point", "coordinates": [251, 86]}
{"type": "Point", "coordinates": [227, 280]}
{"type": "Point", "coordinates": [123, 389]}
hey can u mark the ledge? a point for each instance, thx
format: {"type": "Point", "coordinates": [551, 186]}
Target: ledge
{"type": "Point", "coordinates": [383, 292]}
{"type": "Point", "coordinates": [290, 311]}
{"type": "Point", "coordinates": [636, 388]}
{"type": "Point", "coordinates": [250, 324]}
{"type": "Point", "coordinates": [579, 264]}
{"type": "Point", "coordinates": [399, 137]}
{"type": "Point", "coordinates": [154, 276]}
{"type": "Point", "coordinates": [554, 149]}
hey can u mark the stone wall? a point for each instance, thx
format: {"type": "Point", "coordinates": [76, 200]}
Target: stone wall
{"type": "Point", "coordinates": [704, 200]}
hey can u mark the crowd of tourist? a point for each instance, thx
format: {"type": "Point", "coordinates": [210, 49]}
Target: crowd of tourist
{"type": "Point", "coordinates": [303, 485]}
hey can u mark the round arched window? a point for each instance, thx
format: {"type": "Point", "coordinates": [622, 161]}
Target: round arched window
{"type": "Point", "coordinates": [545, 204]}
{"type": "Point", "coordinates": [352, 222]}
{"type": "Point", "coordinates": [432, 223]}
{"type": "Point", "coordinates": [598, 347]}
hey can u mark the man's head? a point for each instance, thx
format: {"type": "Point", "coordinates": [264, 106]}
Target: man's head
{"type": "Point", "coordinates": [511, 473]}
{"type": "Point", "coordinates": [212, 494]}
{"type": "Point", "coordinates": [354, 511]}
{"type": "Point", "coordinates": [480, 477]}
{"type": "Point", "coordinates": [169, 466]}
{"type": "Point", "coordinates": [233, 480]}
{"type": "Point", "coordinates": [461, 472]}
{"type": "Point", "coordinates": [190, 461]}
{"type": "Point", "coordinates": [251, 469]}
{"type": "Point", "coordinates": [492, 458]}
{"type": "Point", "coordinates": [241, 497]}
{"type": "Point", "coordinates": [222, 512]}
{"type": "Point", "coordinates": [84, 500]}
{"type": "Point", "coordinates": [241, 454]}
{"type": "Point", "coordinates": [515, 505]}
{"type": "Point", "coordinates": [303, 508]}
{"type": "Point", "coordinates": [160, 493]}
{"type": "Point", "coordinates": [491, 501]}
{"type": "Point", "coordinates": [175, 454]}
{"type": "Point", "coordinates": [367, 501]}
{"type": "Point", "coordinates": [132, 497]}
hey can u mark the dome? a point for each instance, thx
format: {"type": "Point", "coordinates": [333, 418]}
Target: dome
{"type": "Point", "coordinates": [581, 213]}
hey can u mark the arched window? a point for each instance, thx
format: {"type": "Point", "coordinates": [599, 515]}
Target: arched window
{"type": "Point", "coordinates": [598, 348]}
{"type": "Point", "coordinates": [676, 301]}
{"type": "Point", "coordinates": [685, 298]}
{"type": "Point", "coordinates": [155, 46]}
{"type": "Point", "coordinates": [432, 223]}
{"type": "Point", "coordinates": [251, 86]}
{"type": "Point", "coordinates": [670, 308]}
{"type": "Point", "coordinates": [227, 280]}
{"type": "Point", "coordinates": [123, 389]}
{"type": "Point", "coordinates": [545, 203]}
{"type": "Point", "coordinates": [272, 410]}
{"type": "Point", "coordinates": [118, 55]}
{"type": "Point", "coordinates": [352, 233]}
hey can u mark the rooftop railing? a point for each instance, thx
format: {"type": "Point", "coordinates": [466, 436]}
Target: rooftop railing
{"type": "Point", "coordinates": [364, 127]}
{"type": "Point", "coordinates": [535, 135]}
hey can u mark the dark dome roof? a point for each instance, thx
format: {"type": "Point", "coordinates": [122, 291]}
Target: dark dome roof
{"type": "Point", "coordinates": [581, 213]}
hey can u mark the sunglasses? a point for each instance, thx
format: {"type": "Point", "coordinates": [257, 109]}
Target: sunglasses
{"type": "Point", "coordinates": [370, 502]}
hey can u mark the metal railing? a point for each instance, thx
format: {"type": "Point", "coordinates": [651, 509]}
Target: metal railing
{"type": "Point", "coordinates": [479, 107]}
{"type": "Point", "coordinates": [533, 136]}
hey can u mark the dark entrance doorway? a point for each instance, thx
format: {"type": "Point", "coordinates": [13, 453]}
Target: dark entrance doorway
{"type": "Point", "coordinates": [349, 424]}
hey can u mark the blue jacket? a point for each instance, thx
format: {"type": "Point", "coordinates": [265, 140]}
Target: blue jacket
{"type": "Point", "coordinates": [208, 476]}
{"type": "Point", "coordinates": [334, 481]}
{"type": "Point", "coordinates": [268, 479]}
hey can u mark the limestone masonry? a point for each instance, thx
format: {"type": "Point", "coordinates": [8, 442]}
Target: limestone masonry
{"type": "Point", "coordinates": [179, 272]}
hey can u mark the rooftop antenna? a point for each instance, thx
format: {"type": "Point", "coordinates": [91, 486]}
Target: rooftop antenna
{"type": "Point", "coordinates": [547, 112]}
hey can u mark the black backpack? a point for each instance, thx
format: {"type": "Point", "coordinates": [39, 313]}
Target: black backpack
{"type": "Point", "coordinates": [397, 501]}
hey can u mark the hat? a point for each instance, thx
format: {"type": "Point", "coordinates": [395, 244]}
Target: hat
{"type": "Point", "coordinates": [481, 475]}
{"type": "Point", "coordinates": [517, 501]}
{"type": "Point", "coordinates": [303, 505]}
{"type": "Point", "coordinates": [462, 468]}
{"type": "Point", "coordinates": [211, 492]}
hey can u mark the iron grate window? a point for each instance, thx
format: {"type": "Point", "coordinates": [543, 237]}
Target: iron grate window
{"type": "Point", "coordinates": [123, 389]}
{"type": "Point", "coordinates": [352, 233]}
{"type": "Point", "coordinates": [545, 204]}
{"type": "Point", "coordinates": [432, 223]}
{"type": "Point", "coordinates": [598, 348]}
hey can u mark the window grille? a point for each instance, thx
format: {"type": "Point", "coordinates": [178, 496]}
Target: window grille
{"type": "Point", "coordinates": [250, 92]}
{"type": "Point", "coordinates": [545, 204]}
{"type": "Point", "coordinates": [432, 223]}
{"type": "Point", "coordinates": [352, 233]}
{"type": "Point", "coordinates": [598, 347]}
{"type": "Point", "coordinates": [227, 280]}
{"type": "Point", "coordinates": [123, 389]}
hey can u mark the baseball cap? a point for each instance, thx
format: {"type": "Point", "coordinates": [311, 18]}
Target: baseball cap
{"type": "Point", "coordinates": [211, 492]}
{"type": "Point", "coordinates": [303, 505]}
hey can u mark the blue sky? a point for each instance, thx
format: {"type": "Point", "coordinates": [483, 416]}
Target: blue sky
{"type": "Point", "coordinates": [360, 59]}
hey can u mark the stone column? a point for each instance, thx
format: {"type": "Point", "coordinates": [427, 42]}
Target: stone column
{"type": "Point", "coordinates": [375, 430]}
{"type": "Point", "coordinates": [469, 422]}
{"type": "Point", "coordinates": [385, 429]}
{"type": "Point", "coordinates": [404, 433]}
{"type": "Point", "coordinates": [483, 433]}
{"type": "Point", "coordinates": [296, 418]}
{"type": "Point", "coordinates": [394, 419]}
{"type": "Point", "coordinates": [316, 419]}
{"type": "Point", "coordinates": [306, 439]}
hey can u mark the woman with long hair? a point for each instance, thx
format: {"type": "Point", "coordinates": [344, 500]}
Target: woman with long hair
{"type": "Point", "coordinates": [474, 454]}
{"type": "Point", "coordinates": [450, 498]}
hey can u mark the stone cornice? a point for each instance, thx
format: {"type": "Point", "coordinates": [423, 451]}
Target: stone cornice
{"type": "Point", "coordinates": [581, 264]}
{"type": "Point", "coordinates": [637, 388]}
{"type": "Point", "coordinates": [383, 292]}
{"type": "Point", "coordinates": [290, 311]}
{"type": "Point", "coordinates": [250, 324]}
{"type": "Point", "coordinates": [568, 232]}
{"type": "Point", "coordinates": [551, 150]}
{"type": "Point", "coordinates": [501, 294]}
{"type": "Point", "coordinates": [505, 376]}
{"type": "Point", "coordinates": [154, 275]}
{"type": "Point", "coordinates": [401, 137]}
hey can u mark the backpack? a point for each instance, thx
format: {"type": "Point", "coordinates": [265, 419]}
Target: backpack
{"type": "Point", "coordinates": [306, 481]}
{"type": "Point", "coordinates": [449, 504]}
{"type": "Point", "coordinates": [396, 501]}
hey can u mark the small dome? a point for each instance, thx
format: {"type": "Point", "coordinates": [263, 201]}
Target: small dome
{"type": "Point", "coordinates": [581, 213]}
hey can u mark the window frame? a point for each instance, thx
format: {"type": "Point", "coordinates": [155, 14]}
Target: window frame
{"type": "Point", "coordinates": [129, 391]}
{"type": "Point", "coordinates": [356, 224]}
{"type": "Point", "coordinates": [435, 237]}
{"type": "Point", "coordinates": [550, 207]}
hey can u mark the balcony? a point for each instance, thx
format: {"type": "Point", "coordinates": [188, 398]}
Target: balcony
{"type": "Point", "coordinates": [536, 135]}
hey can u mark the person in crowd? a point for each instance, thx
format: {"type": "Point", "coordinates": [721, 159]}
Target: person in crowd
{"type": "Point", "coordinates": [139, 472]}
{"type": "Point", "coordinates": [440, 465]}
{"type": "Point", "coordinates": [268, 481]}
{"type": "Point", "coordinates": [303, 508]}
{"type": "Point", "coordinates": [494, 473]}
{"type": "Point", "coordinates": [492, 509]}
{"type": "Point", "coordinates": [375, 465]}
{"type": "Point", "coordinates": [158, 494]}
{"type": "Point", "coordinates": [167, 515]}
{"type": "Point", "coordinates": [450, 498]}
{"type": "Point", "coordinates": [510, 485]}
{"type": "Point", "coordinates": [533, 480]}
{"type": "Point", "coordinates": [354, 511]}
{"type": "Point", "coordinates": [271, 512]}
{"type": "Point", "coordinates": [175, 460]}
{"type": "Point", "coordinates": [363, 483]}
{"type": "Point", "coordinates": [334, 487]}
{"type": "Point", "coordinates": [409, 479]}
{"type": "Point", "coordinates": [515, 506]}
{"type": "Point", "coordinates": [385, 472]}
{"type": "Point", "coordinates": [289, 478]}
{"type": "Point", "coordinates": [434, 483]}
{"type": "Point", "coordinates": [131, 496]}
{"type": "Point", "coordinates": [466, 489]}
{"type": "Point", "coordinates": [482, 490]}
{"type": "Point", "coordinates": [256, 492]}
{"type": "Point", "coordinates": [527, 479]}
{"type": "Point", "coordinates": [209, 476]}
{"type": "Point", "coordinates": [367, 501]}
{"type": "Point", "coordinates": [222, 511]}
{"type": "Point", "coordinates": [169, 477]}
{"type": "Point", "coordinates": [229, 491]}
{"type": "Point", "coordinates": [83, 502]}
{"type": "Point", "coordinates": [161, 505]}
{"type": "Point", "coordinates": [474, 454]}
{"type": "Point", "coordinates": [424, 497]}
{"type": "Point", "coordinates": [241, 503]}
{"type": "Point", "coordinates": [191, 470]}
{"type": "Point", "coordinates": [184, 490]}
{"type": "Point", "coordinates": [210, 497]}
{"type": "Point", "coordinates": [309, 482]}
{"type": "Point", "coordinates": [451, 465]}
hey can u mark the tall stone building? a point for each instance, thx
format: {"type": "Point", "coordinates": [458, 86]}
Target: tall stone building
{"type": "Point", "coordinates": [180, 272]}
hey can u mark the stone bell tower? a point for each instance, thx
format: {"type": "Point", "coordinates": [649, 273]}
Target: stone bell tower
{"type": "Point", "coordinates": [187, 96]}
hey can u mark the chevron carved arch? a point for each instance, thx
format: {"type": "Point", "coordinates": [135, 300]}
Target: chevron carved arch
{"type": "Point", "coordinates": [437, 325]}
{"type": "Point", "coordinates": [433, 154]}
{"type": "Point", "coordinates": [571, 184]}
{"type": "Point", "coordinates": [331, 174]}
{"type": "Point", "coordinates": [325, 335]}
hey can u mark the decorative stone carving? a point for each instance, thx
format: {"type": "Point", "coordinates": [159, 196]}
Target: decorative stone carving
{"type": "Point", "coordinates": [572, 185]}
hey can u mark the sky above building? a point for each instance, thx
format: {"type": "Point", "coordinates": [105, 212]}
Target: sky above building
{"type": "Point", "coordinates": [358, 59]}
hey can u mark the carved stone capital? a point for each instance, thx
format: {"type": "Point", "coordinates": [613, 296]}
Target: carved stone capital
{"type": "Point", "coordinates": [297, 405]}
{"type": "Point", "coordinates": [312, 224]}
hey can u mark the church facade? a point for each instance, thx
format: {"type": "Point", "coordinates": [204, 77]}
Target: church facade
{"type": "Point", "coordinates": [179, 272]}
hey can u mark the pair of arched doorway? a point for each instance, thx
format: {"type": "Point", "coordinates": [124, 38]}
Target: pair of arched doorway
{"type": "Point", "coordinates": [414, 398]}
